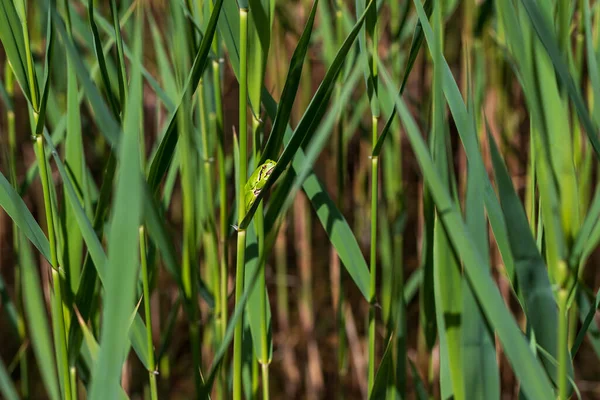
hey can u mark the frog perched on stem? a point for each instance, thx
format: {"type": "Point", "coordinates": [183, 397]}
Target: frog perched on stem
{"type": "Point", "coordinates": [257, 181]}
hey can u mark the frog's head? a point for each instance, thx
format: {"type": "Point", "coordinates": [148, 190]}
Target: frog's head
{"type": "Point", "coordinates": [266, 170]}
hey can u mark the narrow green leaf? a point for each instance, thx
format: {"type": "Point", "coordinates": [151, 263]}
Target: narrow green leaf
{"type": "Point", "coordinates": [415, 46]}
{"type": "Point", "coordinates": [112, 99]}
{"type": "Point", "coordinates": [531, 271]}
{"type": "Point", "coordinates": [481, 372]}
{"type": "Point", "coordinates": [446, 272]}
{"type": "Point", "coordinates": [11, 36]}
{"type": "Point", "coordinates": [253, 308]}
{"type": "Point", "coordinates": [108, 126]}
{"type": "Point", "coordinates": [526, 367]}
{"type": "Point", "coordinates": [16, 209]}
{"type": "Point", "coordinates": [332, 220]}
{"type": "Point", "coordinates": [123, 243]}
{"type": "Point", "coordinates": [330, 217]}
{"type": "Point", "coordinates": [260, 21]}
{"type": "Point", "coordinates": [290, 89]}
{"type": "Point", "coordinates": [383, 378]}
{"type": "Point", "coordinates": [164, 154]}
{"type": "Point", "coordinates": [6, 385]}
{"type": "Point", "coordinates": [75, 162]}
{"type": "Point", "coordinates": [548, 40]}
{"type": "Point", "coordinates": [35, 311]}
{"type": "Point", "coordinates": [311, 117]}
{"type": "Point", "coordinates": [587, 313]}
{"type": "Point", "coordinates": [469, 139]}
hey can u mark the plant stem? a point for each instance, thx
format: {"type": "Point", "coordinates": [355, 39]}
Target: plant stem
{"type": "Point", "coordinates": [372, 262]}
{"type": "Point", "coordinates": [210, 235]}
{"type": "Point", "coordinates": [148, 314]}
{"type": "Point", "coordinates": [57, 301]}
{"type": "Point", "coordinates": [374, 193]}
{"type": "Point", "coordinates": [263, 358]}
{"type": "Point", "coordinates": [562, 344]}
{"type": "Point", "coordinates": [188, 268]}
{"type": "Point", "coordinates": [243, 164]}
{"type": "Point", "coordinates": [223, 228]}
{"type": "Point", "coordinates": [337, 281]}
{"type": "Point", "coordinates": [12, 166]}
{"type": "Point", "coordinates": [237, 339]}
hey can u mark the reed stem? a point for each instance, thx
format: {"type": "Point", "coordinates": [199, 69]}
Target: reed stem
{"type": "Point", "coordinates": [148, 314]}
{"type": "Point", "coordinates": [243, 164]}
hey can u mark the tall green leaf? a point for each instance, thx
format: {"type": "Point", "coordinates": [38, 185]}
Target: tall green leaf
{"type": "Point", "coordinates": [534, 381]}
{"type": "Point", "coordinates": [11, 36]}
{"type": "Point", "coordinates": [16, 209]}
{"type": "Point", "coordinates": [531, 271]}
{"type": "Point", "coordinates": [123, 243]}
{"type": "Point", "coordinates": [35, 312]}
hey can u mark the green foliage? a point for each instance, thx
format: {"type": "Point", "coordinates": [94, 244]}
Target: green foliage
{"type": "Point", "coordinates": [139, 166]}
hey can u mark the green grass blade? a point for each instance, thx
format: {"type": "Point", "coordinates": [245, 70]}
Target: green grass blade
{"type": "Point", "coordinates": [74, 159]}
{"type": "Point", "coordinates": [526, 367]}
{"type": "Point", "coordinates": [109, 126]}
{"type": "Point", "coordinates": [548, 40]}
{"type": "Point", "coordinates": [446, 272]}
{"type": "Point", "coordinates": [290, 89]}
{"type": "Point", "coordinates": [531, 271]}
{"type": "Point", "coordinates": [329, 215]}
{"type": "Point", "coordinates": [164, 65]}
{"type": "Point", "coordinates": [259, 39]}
{"type": "Point", "coordinates": [104, 73]}
{"type": "Point", "coordinates": [108, 28]}
{"type": "Point", "coordinates": [99, 259]}
{"type": "Point", "coordinates": [482, 377]}
{"type": "Point", "coordinates": [481, 371]}
{"type": "Point", "coordinates": [415, 46]}
{"type": "Point", "coordinates": [166, 149]}
{"type": "Point", "coordinates": [229, 26]}
{"type": "Point", "coordinates": [312, 115]}
{"type": "Point", "coordinates": [123, 244]}
{"type": "Point", "coordinates": [11, 36]}
{"type": "Point", "coordinates": [6, 385]}
{"type": "Point", "coordinates": [332, 220]}
{"type": "Point", "coordinates": [586, 324]}
{"type": "Point", "coordinates": [253, 308]}
{"type": "Point", "coordinates": [288, 187]}
{"type": "Point", "coordinates": [16, 209]}
{"type": "Point", "coordinates": [469, 139]}
{"type": "Point", "coordinates": [384, 378]}
{"type": "Point", "coordinates": [35, 312]}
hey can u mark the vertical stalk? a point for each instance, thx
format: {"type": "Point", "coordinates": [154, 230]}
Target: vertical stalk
{"type": "Point", "coordinates": [210, 235]}
{"type": "Point", "coordinates": [263, 358]}
{"type": "Point", "coordinates": [335, 268]}
{"type": "Point", "coordinates": [12, 165]}
{"type": "Point", "coordinates": [148, 314]}
{"type": "Point", "coordinates": [223, 227]}
{"type": "Point", "coordinates": [372, 263]}
{"type": "Point", "coordinates": [243, 163]}
{"type": "Point", "coordinates": [152, 372]}
{"type": "Point", "coordinates": [374, 193]}
{"type": "Point", "coordinates": [562, 344]}
{"type": "Point", "coordinates": [57, 301]}
{"type": "Point", "coordinates": [188, 268]}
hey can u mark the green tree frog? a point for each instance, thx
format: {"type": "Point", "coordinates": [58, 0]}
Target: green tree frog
{"type": "Point", "coordinates": [257, 181]}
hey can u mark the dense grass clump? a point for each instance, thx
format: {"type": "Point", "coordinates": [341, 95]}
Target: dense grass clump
{"type": "Point", "coordinates": [299, 199]}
